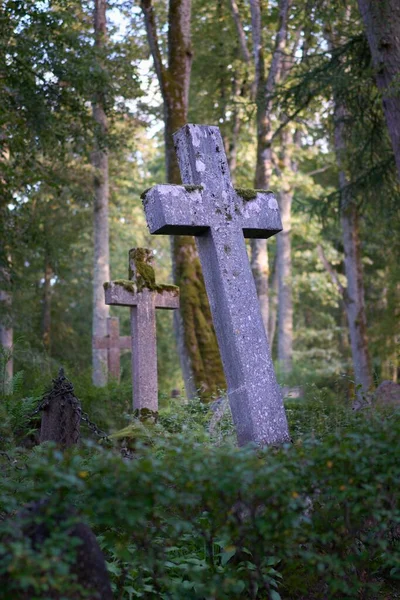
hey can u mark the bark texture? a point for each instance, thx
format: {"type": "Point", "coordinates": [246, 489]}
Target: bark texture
{"type": "Point", "coordinates": [382, 26]}
{"type": "Point", "coordinates": [284, 262]}
{"type": "Point", "coordinates": [101, 272]}
{"type": "Point", "coordinates": [353, 295]}
{"type": "Point", "coordinates": [240, 31]}
{"type": "Point", "coordinates": [46, 313]}
{"type": "Point", "coordinates": [265, 86]}
{"type": "Point", "coordinates": [6, 330]}
{"type": "Point", "coordinates": [197, 344]}
{"type": "Point", "coordinates": [273, 304]}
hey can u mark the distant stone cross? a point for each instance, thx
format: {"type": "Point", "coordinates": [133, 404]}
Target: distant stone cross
{"type": "Point", "coordinates": [143, 295]}
{"type": "Point", "coordinates": [113, 343]}
{"type": "Point", "coordinates": [220, 218]}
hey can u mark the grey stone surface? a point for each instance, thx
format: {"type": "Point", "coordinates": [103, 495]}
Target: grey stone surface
{"type": "Point", "coordinates": [113, 343]}
{"type": "Point", "coordinates": [221, 218]}
{"type": "Point", "coordinates": [141, 293]}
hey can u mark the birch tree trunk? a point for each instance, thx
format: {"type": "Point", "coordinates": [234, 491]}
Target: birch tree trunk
{"type": "Point", "coordinates": [197, 344]}
{"type": "Point", "coordinates": [284, 261]}
{"type": "Point", "coordinates": [46, 313]}
{"type": "Point", "coordinates": [354, 294]}
{"type": "Point", "coordinates": [382, 26]}
{"type": "Point", "coordinates": [6, 330]}
{"type": "Point", "coordinates": [273, 297]}
{"type": "Point", "coordinates": [101, 272]}
{"type": "Point", "coordinates": [265, 87]}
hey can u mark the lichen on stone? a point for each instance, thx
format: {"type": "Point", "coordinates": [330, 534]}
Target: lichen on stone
{"type": "Point", "coordinates": [140, 268]}
{"type": "Point", "coordinates": [146, 414]}
{"type": "Point", "coordinates": [249, 194]}
{"type": "Point", "coordinates": [141, 272]}
{"type": "Point", "coordinates": [143, 194]}
{"type": "Point", "coordinates": [167, 287]}
{"type": "Point", "coordinates": [193, 188]}
{"type": "Point", "coordinates": [127, 284]}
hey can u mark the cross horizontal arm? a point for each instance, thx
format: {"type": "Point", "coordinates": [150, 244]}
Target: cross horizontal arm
{"type": "Point", "coordinates": [103, 343]}
{"type": "Point", "coordinates": [121, 293]}
{"type": "Point", "coordinates": [175, 209]}
{"type": "Point", "coordinates": [260, 217]}
{"type": "Point", "coordinates": [124, 293]}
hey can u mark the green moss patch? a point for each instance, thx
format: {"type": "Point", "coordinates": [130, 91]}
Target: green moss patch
{"type": "Point", "coordinates": [250, 193]}
{"type": "Point", "coordinates": [193, 188]}
{"type": "Point", "coordinates": [127, 284]}
{"type": "Point", "coordinates": [143, 194]}
{"type": "Point", "coordinates": [143, 271]}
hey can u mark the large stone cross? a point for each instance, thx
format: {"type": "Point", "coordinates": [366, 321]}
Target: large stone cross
{"type": "Point", "coordinates": [220, 218]}
{"type": "Point", "coordinates": [113, 343]}
{"type": "Point", "coordinates": [143, 295]}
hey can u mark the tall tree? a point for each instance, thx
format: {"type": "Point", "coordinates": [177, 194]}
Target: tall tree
{"type": "Point", "coordinates": [382, 26]}
{"type": "Point", "coordinates": [284, 257]}
{"type": "Point", "coordinates": [6, 329]}
{"type": "Point", "coordinates": [353, 295]}
{"type": "Point", "coordinates": [265, 86]}
{"type": "Point", "coordinates": [101, 271]}
{"type": "Point", "coordinates": [197, 344]}
{"type": "Point", "coordinates": [47, 294]}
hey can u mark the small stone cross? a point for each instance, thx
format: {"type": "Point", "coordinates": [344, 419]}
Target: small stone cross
{"type": "Point", "coordinates": [113, 343]}
{"type": "Point", "coordinates": [143, 295]}
{"type": "Point", "coordinates": [220, 218]}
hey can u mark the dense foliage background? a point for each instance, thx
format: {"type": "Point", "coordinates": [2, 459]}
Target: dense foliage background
{"type": "Point", "coordinates": [49, 76]}
{"type": "Point", "coordinates": [184, 513]}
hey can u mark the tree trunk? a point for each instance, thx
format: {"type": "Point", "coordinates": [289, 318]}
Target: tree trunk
{"type": "Point", "coordinates": [264, 91]}
{"type": "Point", "coordinates": [382, 26]}
{"type": "Point", "coordinates": [233, 142]}
{"type": "Point", "coordinates": [6, 330]}
{"type": "Point", "coordinates": [273, 312]}
{"type": "Point", "coordinates": [101, 271]}
{"type": "Point", "coordinates": [240, 31]}
{"type": "Point", "coordinates": [354, 294]}
{"type": "Point", "coordinates": [47, 293]}
{"type": "Point", "coordinates": [197, 344]}
{"type": "Point", "coordinates": [284, 262]}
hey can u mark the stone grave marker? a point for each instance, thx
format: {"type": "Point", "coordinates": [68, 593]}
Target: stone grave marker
{"type": "Point", "coordinates": [143, 295]}
{"type": "Point", "coordinates": [61, 414]}
{"type": "Point", "coordinates": [113, 343]}
{"type": "Point", "coordinates": [37, 522]}
{"type": "Point", "coordinates": [220, 217]}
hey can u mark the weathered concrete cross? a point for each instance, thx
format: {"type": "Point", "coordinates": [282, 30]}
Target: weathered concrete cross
{"type": "Point", "coordinates": [113, 343]}
{"type": "Point", "coordinates": [220, 218]}
{"type": "Point", "coordinates": [143, 295]}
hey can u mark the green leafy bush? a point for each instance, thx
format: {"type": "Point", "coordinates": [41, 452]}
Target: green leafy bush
{"type": "Point", "coordinates": [316, 519]}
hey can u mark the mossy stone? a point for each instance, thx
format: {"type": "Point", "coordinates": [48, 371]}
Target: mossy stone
{"type": "Point", "coordinates": [249, 194]}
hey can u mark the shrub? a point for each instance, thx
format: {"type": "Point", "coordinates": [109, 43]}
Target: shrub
{"type": "Point", "coordinates": [314, 519]}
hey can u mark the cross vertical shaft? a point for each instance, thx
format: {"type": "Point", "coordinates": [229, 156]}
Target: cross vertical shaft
{"type": "Point", "coordinates": [144, 354]}
{"type": "Point", "coordinates": [143, 295]}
